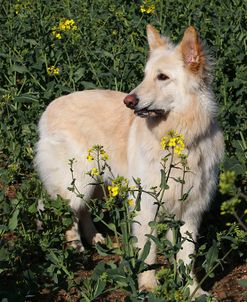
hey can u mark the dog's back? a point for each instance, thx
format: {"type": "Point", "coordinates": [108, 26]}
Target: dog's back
{"type": "Point", "coordinates": [74, 123]}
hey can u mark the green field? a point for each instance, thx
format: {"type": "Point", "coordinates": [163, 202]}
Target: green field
{"type": "Point", "coordinates": [51, 48]}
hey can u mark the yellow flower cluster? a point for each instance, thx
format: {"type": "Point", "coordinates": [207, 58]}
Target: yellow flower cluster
{"type": "Point", "coordinates": [113, 191]}
{"type": "Point", "coordinates": [119, 186]}
{"type": "Point", "coordinates": [104, 155]}
{"type": "Point", "coordinates": [57, 35]}
{"type": "Point", "coordinates": [90, 157]}
{"type": "Point", "coordinates": [147, 8]}
{"type": "Point", "coordinates": [67, 25]}
{"type": "Point", "coordinates": [52, 70]}
{"type": "Point", "coordinates": [173, 140]}
{"type": "Point", "coordinates": [92, 153]}
{"type": "Point", "coordinates": [64, 25]}
{"type": "Point", "coordinates": [94, 172]}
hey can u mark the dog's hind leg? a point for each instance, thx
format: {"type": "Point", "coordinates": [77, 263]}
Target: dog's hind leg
{"type": "Point", "coordinates": [82, 221]}
{"type": "Point", "coordinates": [89, 231]}
{"type": "Point", "coordinates": [52, 161]}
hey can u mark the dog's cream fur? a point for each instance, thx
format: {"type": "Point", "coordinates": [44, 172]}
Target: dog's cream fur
{"type": "Point", "coordinates": [74, 123]}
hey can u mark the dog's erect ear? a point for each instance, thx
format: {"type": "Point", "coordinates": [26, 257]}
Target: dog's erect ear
{"type": "Point", "coordinates": [191, 49]}
{"type": "Point", "coordinates": [154, 38]}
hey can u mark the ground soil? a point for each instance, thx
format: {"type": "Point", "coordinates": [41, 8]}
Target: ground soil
{"type": "Point", "coordinates": [226, 289]}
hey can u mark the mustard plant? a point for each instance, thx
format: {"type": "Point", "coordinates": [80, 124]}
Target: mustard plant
{"type": "Point", "coordinates": [118, 207]}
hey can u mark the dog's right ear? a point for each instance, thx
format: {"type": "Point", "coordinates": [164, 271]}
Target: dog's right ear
{"type": "Point", "coordinates": [155, 40]}
{"type": "Point", "coordinates": [192, 51]}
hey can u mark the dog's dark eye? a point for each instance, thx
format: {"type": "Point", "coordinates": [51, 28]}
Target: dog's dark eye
{"type": "Point", "coordinates": [162, 77]}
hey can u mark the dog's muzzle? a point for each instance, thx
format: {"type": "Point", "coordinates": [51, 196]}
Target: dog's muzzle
{"type": "Point", "coordinates": [132, 100]}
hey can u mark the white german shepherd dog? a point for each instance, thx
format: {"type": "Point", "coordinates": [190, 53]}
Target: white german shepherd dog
{"type": "Point", "coordinates": [174, 95]}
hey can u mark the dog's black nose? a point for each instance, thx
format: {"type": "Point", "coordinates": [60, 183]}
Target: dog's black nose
{"type": "Point", "coordinates": [131, 100]}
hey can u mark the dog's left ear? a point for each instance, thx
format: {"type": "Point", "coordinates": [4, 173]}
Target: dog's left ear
{"type": "Point", "coordinates": [191, 49]}
{"type": "Point", "coordinates": [155, 40]}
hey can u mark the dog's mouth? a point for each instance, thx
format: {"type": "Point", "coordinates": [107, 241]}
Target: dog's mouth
{"type": "Point", "coordinates": [145, 112]}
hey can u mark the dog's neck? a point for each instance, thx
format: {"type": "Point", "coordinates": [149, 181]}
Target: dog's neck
{"type": "Point", "coordinates": [193, 121]}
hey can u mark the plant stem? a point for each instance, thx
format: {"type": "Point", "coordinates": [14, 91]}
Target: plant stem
{"type": "Point", "coordinates": [210, 271]}
{"type": "Point", "coordinates": [239, 220]}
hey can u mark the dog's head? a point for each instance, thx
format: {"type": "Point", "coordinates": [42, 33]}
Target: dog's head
{"type": "Point", "coordinates": [172, 75]}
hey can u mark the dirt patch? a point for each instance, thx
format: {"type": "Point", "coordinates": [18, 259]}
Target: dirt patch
{"type": "Point", "coordinates": [225, 290]}
{"type": "Point", "coordinates": [228, 288]}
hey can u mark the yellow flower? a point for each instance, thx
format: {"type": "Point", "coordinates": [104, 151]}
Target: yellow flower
{"type": "Point", "coordinates": [150, 9]}
{"type": "Point", "coordinates": [90, 157]}
{"type": "Point", "coordinates": [131, 202]}
{"type": "Point", "coordinates": [64, 25]}
{"type": "Point", "coordinates": [113, 191]}
{"type": "Point", "coordinates": [164, 142]}
{"type": "Point", "coordinates": [173, 140]}
{"type": "Point", "coordinates": [94, 172]}
{"type": "Point", "coordinates": [104, 155]}
{"type": "Point", "coordinates": [147, 7]}
{"type": "Point", "coordinates": [56, 34]}
{"type": "Point", "coordinates": [178, 150]}
{"type": "Point", "coordinates": [142, 9]}
{"type": "Point", "coordinates": [67, 25]}
{"type": "Point", "coordinates": [52, 70]}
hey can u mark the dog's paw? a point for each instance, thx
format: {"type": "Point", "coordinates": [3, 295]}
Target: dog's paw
{"type": "Point", "coordinates": [147, 281]}
{"type": "Point", "coordinates": [73, 240]}
{"type": "Point", "coordinates": [76, 244]}
{"type": "Point", "coordinates": [98, 238]}
{"type": "Point", "coordinates": [199, 291]}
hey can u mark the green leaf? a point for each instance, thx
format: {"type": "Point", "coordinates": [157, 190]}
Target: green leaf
{"type": "Point", "coordinates": [101, 250]}
{"type": "Point", "coordinates": [233, 164]}
{"type": "Point", "coordinates": [88, 85]}
{"type": "Point", "coordinates": [79, 74]}
{"type": "Point", "coordinates": [26, 98]}
{"type": "Point", "coordinates": [100, 286]}
{"type": "Point", "coordinates": [53, 257]}
{"type": "Point", "coordinates": [3, 254]}
{"type": "Point", "coordinates": [211, 257]}
{"type": "Point", "coordinates": [13, 222]}
{"type": "Point", "coordinates": [18, 68]}
{"type": "Point", "coordinates": [156, 241]}
{"type": "Point", "coordinates": [32, 208]}
{"type": "Point", "coordinates": [3, 228]}
{"type": "Point", "coordinates": [163, 184]}
{"type": "Point", "coordinates": [145, 250]}
{"type": "Point", "coordinates": [111, 227]}
{"type": "Point", "coordinates": [203, 298]}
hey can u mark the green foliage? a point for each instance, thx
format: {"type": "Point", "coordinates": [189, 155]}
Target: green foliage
{"type": "Point", "coordinates": [106, 49]}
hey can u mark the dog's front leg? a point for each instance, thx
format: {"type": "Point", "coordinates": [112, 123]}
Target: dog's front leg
{"type": "Point", "coordinates": [141, 228]}
{"type": "Point", "coordinates": [189, 232]}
